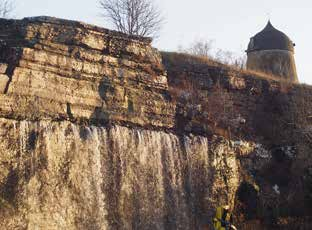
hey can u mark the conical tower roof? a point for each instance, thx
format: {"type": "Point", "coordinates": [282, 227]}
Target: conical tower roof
{"type": "Point", "coordinates": [270, 39]}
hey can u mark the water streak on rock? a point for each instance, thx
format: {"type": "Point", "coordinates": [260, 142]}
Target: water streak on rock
{"type": "Point", "coordinates": [78, 177]}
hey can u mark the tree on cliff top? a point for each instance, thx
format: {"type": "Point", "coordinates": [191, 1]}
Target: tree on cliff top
{"type": "Point", "coordinates": [6, 8]}
{"type": "Point", "coordinates": [133, 17]}
{"type": "Point", "coordinates": [204, 48]}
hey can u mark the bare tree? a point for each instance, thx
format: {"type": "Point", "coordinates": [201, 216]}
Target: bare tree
{"type": "Point", "coordinates": [6, 8]}
{"type": "Point", "coordinates": [201, 48]}
{"type": "Point", "coordinates": [230, 58]}
{"type": "Point", "coordinates": [134, 17]}
{"type": "Point", "coordinates": [204, 48]}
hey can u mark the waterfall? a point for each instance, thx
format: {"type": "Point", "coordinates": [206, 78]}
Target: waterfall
{"type": "Point", "coordinates": [87, 177]}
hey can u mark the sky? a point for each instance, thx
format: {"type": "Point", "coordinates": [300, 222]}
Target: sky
{"type": "Point", "coordinates": [229, 23]}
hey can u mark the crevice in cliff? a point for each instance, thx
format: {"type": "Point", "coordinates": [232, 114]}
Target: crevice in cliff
{"type": "Point", "coordinates": [69, 112]}
{"type": "Point", "coordinates": [9, 189]}
{"type": "Point", "coordinates": [11, 56]}
{"type": "Point", "coordinates": [6, 89]}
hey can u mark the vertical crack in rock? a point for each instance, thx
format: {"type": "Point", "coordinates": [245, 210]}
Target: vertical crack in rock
{"type": "Point", "coordinates": [69, 111]}
{"type": "Point", "coordinates": [13, 56]}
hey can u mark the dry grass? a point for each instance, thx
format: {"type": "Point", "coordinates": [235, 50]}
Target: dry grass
{"type": "Point", "coordinates": [191, 59]}
{"type": "Point", "coordinates": [174, 57]}
{"type": "Point", "coordinates": [266, 76]}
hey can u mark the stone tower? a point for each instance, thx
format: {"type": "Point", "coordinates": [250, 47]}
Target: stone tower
{"type": "Point", "coordinates": [271, 51]}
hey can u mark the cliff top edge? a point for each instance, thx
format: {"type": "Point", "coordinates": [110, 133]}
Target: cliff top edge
{"type": "Point", "coordinates": [73, 23]}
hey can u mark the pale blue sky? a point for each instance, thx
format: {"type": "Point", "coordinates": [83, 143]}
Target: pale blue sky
{"type": "Point", "coordinates": [230, 23]}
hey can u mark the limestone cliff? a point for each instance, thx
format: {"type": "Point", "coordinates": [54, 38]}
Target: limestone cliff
{"type": "Point", "coordinates": [276, 182]}
{"type": "Point", "coordinates": [100, 131]}
{"type": "Point", "coordinates": [58, 69]}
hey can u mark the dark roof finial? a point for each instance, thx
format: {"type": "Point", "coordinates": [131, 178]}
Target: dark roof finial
{"type": "Point", "coordinates": [269, 26]}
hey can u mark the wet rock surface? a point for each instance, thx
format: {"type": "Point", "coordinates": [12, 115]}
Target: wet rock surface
{"type": "Point", "coordinates": [59, 175]}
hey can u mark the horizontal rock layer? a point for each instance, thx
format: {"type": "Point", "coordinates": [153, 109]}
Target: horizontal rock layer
{"type": "Point", "coordinates": [69, 70]}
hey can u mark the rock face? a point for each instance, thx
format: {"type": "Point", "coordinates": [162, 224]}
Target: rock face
{"type": "Point", "coordinates": [214, 99]}
{"type": "Point", "coordinates": [64, 176]}
{"type": "Point", "coordinates": [96, 133]}
{"type": "Point", "coordinates": [62, 69]}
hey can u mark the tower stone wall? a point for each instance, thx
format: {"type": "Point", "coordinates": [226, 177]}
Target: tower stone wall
{"type": "Point", "coordinates": [276, 62]}
{"type": "Point", "coordinates": [271, 51]}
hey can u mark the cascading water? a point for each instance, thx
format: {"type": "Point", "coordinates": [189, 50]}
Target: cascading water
{"type": "Point", "coordinates": [80, 177]}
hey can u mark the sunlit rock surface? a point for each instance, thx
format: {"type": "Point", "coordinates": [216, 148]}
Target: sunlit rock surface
{"type": "Point", "coordinates": [60, 69]}
{"type": "Point", "coordinates": [58, 175]}
{"type": "Point", "coordinates": [99, 131]}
